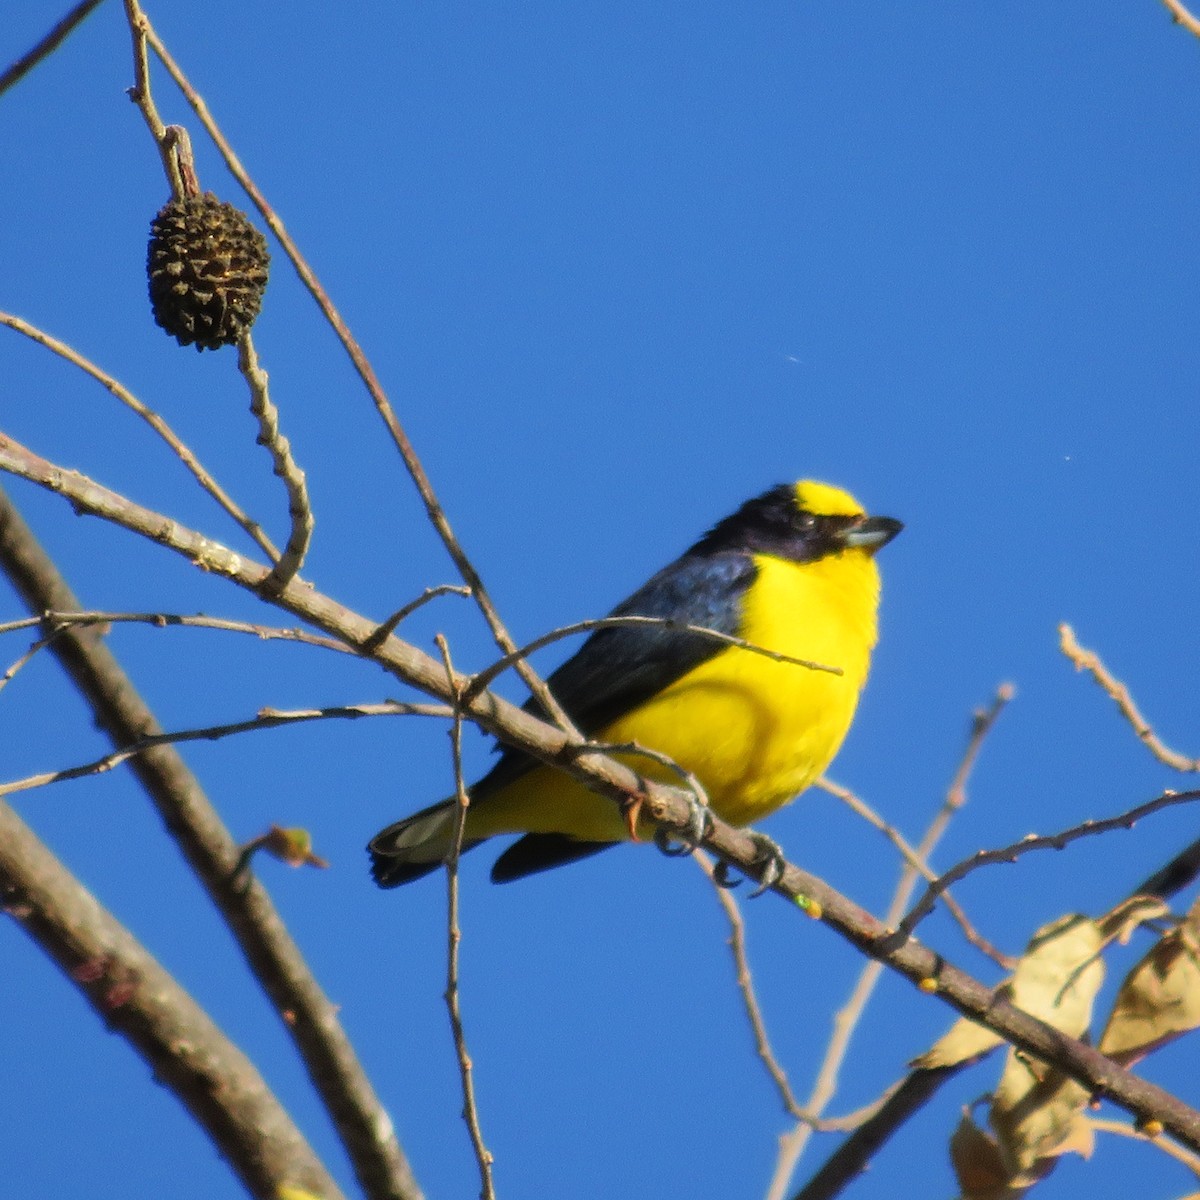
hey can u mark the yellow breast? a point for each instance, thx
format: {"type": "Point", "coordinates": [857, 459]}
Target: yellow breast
{"type": "Point", "coordinates": [755, 732]}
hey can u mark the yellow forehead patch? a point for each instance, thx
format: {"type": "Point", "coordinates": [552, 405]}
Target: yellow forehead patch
{"type": "Point", "coordinates": [824, 500]}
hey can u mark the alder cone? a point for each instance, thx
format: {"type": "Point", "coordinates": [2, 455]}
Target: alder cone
{"type": "Point", "coordinates": [207, 268]}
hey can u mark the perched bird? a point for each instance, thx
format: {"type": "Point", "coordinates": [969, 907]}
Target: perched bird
{"type": "Point", "coordinates": [792, 571]}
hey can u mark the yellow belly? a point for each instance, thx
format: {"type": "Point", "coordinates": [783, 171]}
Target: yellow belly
{"type": "Point", "coordinates": [755, 732]}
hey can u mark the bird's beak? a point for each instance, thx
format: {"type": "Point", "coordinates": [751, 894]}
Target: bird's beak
{"type": "Point", "coordinates": [871, 533]}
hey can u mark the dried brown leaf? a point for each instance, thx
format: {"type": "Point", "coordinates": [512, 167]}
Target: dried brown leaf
{"type": "Point", "coordinates": [978, 1165]}
{"type": "Point", "coordinates": [1037, 1112]}
{"type": "Point", "coordinates": [1160, 998]}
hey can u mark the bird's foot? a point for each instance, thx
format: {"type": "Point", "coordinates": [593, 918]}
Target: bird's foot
{"type": "Point", "coordinates": [681, 843]}
{"type": "Point", "coordinates": [769, 854]}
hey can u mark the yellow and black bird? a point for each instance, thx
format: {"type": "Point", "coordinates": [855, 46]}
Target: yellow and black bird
{"type": "Point", "coordinates": [792, 571]}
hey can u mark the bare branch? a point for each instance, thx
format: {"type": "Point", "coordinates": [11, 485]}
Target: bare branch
{"type": "Point", "coordinates": [51, 42]}
{"type": "Point", "coordinates": [136, 998]}
{"type": "Point", "coordinates": [1174, 876]}
{"type": "Point", "coordinates": [388, 627]}
{"type": "Point", "coordinates": [1088, 660]}
{"type": "Point", "coordinates": [58, 623]}
{"type": "Point", "coordinates": [665, 806]}
{"type": "Point", "coordinates": [850, 1159]}
{"type": "Point", "coordinates": [141, 95]}
{"type": "Point", "coordinates": [162, 620]}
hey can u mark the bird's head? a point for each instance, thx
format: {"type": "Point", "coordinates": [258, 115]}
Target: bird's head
{"type": "Point", "coordinates": [802, 522]}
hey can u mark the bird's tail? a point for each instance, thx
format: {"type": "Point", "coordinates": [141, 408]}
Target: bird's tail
{"type": "Point", "coordinates": [415, 846]}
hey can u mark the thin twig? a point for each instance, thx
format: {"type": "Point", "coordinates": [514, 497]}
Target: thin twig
{"type": "Point", "coordinates": [1033, 841]}
{"type": "Point", "coordinates": [163, 620]}
{"type": "Point", "coordinates": [51, 42]}
{"type": "Point", "coordinates": [862, 809]}
{"type": "Point", "coordinates": [745, 982]}
{"type": "Point", "coordinates": [141, 96]}
{"type": "Point", "coordinates": [1181, 16]}
{"type": "Point", "coordinates": [847, 1018]}
{"type": "Point", "coordinates": [267, 718]}
{"type": "Point", "coordinates": [160, 426]}
{"type": "Point", "coordinates": [484, 678]}
{"type": "Point", "coordinates": [1168, 1147]}
{"type": "Point", "coordinates": [285, 467]}
{"type": "Point", "coordinates": [55, 624]}
{"type": "Point", "coordinates": [366, 373]}
{"type": "Point", "coordinates": [483, 1156]}
{"type": "Point", "coordinates": [388, 627]}
{"type": "Point", "coordinates": [1089, 660]}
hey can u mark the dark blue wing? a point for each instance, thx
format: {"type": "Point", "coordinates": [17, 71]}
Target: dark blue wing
{"type": "Point", "coordinates": [618, 668]}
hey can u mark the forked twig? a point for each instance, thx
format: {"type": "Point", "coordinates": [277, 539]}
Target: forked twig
{"type": "Point", "coordinates": [483, 1156]}
{"type": "Point", "coordinates": [862, 809]}
{"type": "Point", "coordinates": [1089, 660]}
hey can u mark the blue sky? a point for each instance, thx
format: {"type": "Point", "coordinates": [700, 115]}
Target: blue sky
{"type": "Point", "coordinates": [620, 267]}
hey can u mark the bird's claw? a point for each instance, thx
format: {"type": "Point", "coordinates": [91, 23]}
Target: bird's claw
{"type": "Point", "coordinates": [773, 862]}
{"type": "Point", "coordinates": [679, 844]}
{"type": "Point", "coordinates": [769, 854]}
{"type": "Point", "coordinates": [721, 876]}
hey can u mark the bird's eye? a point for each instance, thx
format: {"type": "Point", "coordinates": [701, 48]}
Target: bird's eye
{"type": "Point", "coordinates": [806, 523]}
